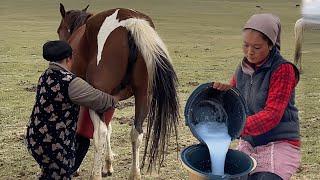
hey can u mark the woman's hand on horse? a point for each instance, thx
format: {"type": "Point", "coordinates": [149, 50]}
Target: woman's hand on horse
{"type": "Point", "coordinates": [221, 86]}
{"type": "Point", "coordinates": [124, 93]}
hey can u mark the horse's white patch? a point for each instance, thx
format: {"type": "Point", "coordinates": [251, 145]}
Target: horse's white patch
{"type": "Point", "coordinates": [109, 24]}
{"type": "Point", "coordinates": [133, 10]}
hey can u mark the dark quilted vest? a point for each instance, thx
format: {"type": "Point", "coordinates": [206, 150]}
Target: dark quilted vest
{"type": "Point", "coordinates": [255, 91]}
{"type": "Point", "coordinates": [53, 106]}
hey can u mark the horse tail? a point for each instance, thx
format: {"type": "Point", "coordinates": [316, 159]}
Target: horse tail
{"type": "Point", "coordinates": [163, 114]}
{"type": "Point", "coordinates": [298, 35]}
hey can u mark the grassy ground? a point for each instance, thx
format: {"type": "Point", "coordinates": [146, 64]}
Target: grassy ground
{"type": "Point", "coordinates": [204, 39]}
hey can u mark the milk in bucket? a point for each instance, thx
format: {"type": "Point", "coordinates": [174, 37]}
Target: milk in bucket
{"type": "Point", "coordinates": [215, 135]}
{"type": "Point", "coordinates": [215, 118]}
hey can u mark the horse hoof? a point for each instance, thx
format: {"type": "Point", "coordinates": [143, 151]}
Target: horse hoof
{"type": "Point", "coordinates": [106, 174]}
{"type": "Point", "coordinates": [135, 177]}
{"type": "Point", "coordinates": [95, 177]}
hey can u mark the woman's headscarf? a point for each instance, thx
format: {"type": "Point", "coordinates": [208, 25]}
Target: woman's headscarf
{"type": "Point", "coordinates": [56, 50]}
{"type": "Point", "coordinates": [268, 24]}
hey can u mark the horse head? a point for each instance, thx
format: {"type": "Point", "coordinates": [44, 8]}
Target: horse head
{"type": "Point", "coordinates": [71, 21]}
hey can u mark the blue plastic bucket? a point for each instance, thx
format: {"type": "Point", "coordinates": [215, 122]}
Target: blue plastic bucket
{"type": "Point", "coordinates": [206, 103]}
{"type": "Point", "coordinates": [196, 159]}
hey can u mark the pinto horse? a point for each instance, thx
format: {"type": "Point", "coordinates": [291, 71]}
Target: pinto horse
{"type": "Point", "coordinates": [119, 48]}
{"type": "Point", "coordinates": [300, 27]}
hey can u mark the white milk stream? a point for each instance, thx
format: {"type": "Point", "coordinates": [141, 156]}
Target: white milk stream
{"type": "Point", "coordinates": [216, 136]}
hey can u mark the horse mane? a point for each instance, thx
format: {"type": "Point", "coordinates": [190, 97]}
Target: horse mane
{"type": "Point", "coordinates": [77, 18]}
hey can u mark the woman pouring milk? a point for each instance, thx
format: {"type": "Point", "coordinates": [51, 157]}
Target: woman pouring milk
{"type": "Point", "coordinates": [267, 82]}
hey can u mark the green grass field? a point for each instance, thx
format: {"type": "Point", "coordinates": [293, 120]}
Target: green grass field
{"type": "Point", "coordinates": [204, 40]}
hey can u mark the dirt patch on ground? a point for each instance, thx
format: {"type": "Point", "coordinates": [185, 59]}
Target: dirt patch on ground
{"type": "Point", "coordinates": [32, 88]}
{"type": "Point", "coordinates": [27, 85]}
{"type": "Point", "coordinates": [194, 83]}
{"type": "Point", "coordinates": [125, 104]}
{"type": "Point", "coordinates": [125, 120]}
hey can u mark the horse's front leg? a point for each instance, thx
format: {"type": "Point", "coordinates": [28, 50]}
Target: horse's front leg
{"type": "Point", "coordinates": [137, 135]}
{"type": "Point", "coordinates": [99, 142]}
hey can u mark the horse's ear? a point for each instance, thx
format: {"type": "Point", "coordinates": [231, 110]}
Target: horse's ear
{"type": "Point", "coordinates": [85, 9]}
{"type": "Point", "coordinates": [62, 10]}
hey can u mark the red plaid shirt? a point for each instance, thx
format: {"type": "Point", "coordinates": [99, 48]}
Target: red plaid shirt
{"type": "Point", "coordinates": [282, 83]}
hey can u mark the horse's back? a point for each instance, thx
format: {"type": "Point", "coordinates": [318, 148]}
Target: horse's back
{"type": "Point", "coordinates": [123, 14]}
{"type": "Point", "coordinates": [95, 23]}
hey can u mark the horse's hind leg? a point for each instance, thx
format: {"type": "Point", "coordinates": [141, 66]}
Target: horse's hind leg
{"type": "Point", "coordinates": [140, 88]}
{"type": "Point", "coordinates": [137, 134]}
{"type": "Point", "coordinates": [99, 142]}
{"type": "Point", "coordinates": [108, 169]}
{"type": "Point", "coordinates": [107, 76]}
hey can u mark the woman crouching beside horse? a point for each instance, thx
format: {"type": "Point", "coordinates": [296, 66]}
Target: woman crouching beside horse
{"type": "Point", "coordinates": [120, 48]}
{"type": "Point", "coordinates": [267, 82]}
{"type": "Point", "coordinates": [51, 131]}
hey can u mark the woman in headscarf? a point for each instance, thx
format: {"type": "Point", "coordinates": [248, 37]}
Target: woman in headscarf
{"type": "Point", "coordinates": [267, 82]}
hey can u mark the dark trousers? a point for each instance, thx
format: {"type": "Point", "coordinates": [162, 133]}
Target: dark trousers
{"type": "Point", "coordinates": [82, 146]}
{"type": "Point", "coordinates": [264, 176]}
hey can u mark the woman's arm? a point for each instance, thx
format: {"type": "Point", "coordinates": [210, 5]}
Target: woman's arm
{"type": "Point", "coordinates": [82, 93]}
